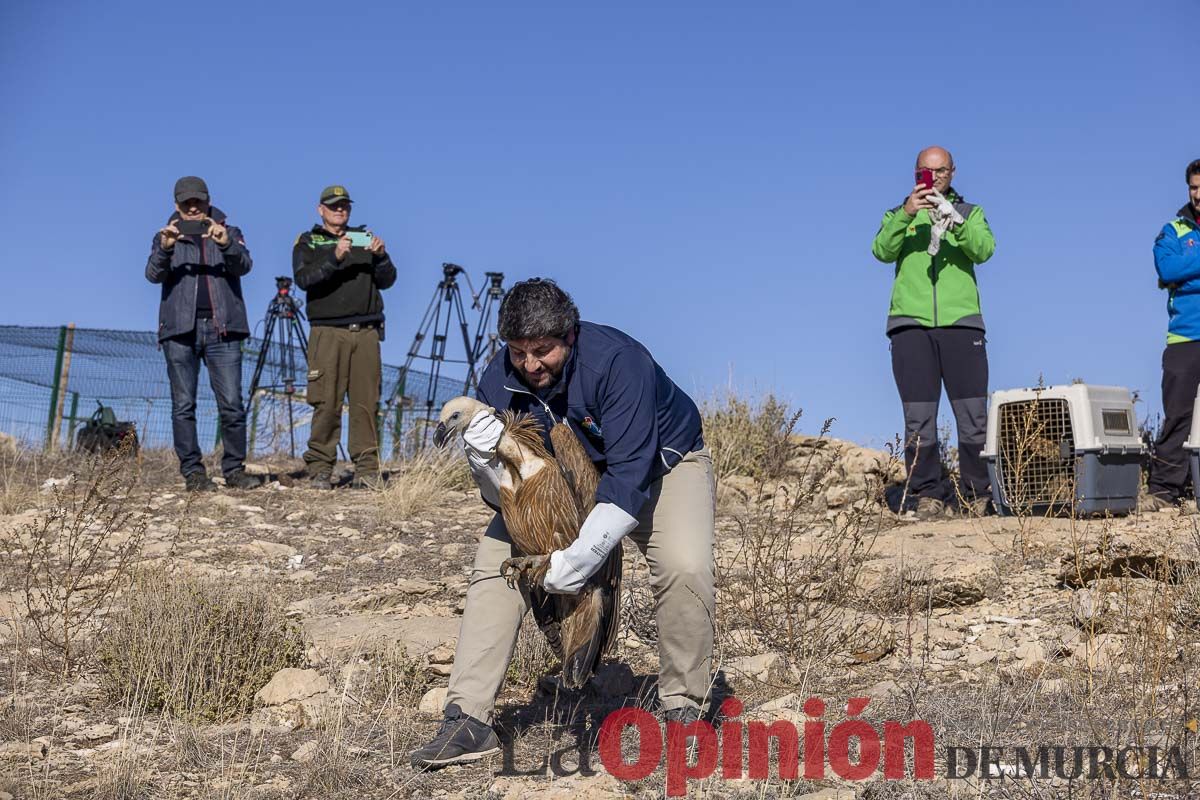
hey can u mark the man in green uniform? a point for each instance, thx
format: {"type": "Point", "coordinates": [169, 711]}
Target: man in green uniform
{"type": "Point", "coordinates": [936, 239]}
{"type": "Point", "coordinates": [342, 269]}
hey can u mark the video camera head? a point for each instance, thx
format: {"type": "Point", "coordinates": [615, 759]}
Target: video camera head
{"type": "Point", "coordinates": [283, 284]}
{"type": "Point", "coordinates": [450, 270]}
{"type": "Point", "coordinates": [496, 289]}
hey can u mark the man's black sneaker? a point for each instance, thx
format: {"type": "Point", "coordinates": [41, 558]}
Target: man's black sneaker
{"type": "Point", "coordinates": [199, 482]}
{"type": "Point", "coordinates": [321, 482]}
{"type": "Point", "coordinates": [685, 715]}
{"type": "Point", "coordinates": [241, 480]}
{"type": "Point", "coordinates": [459, 740]}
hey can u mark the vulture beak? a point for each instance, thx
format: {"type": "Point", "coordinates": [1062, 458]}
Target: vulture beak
{"type": "Point", "coordinates": [441, 435]}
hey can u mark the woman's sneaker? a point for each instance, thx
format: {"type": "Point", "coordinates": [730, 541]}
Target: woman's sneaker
{"type": "Point", "coordinates": [459, 740]}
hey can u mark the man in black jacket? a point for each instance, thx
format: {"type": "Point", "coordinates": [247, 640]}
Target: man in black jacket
{"type": "Point", "coordinates": [202, 317]}
{"type": "Point", "coordinates": [342, 269]}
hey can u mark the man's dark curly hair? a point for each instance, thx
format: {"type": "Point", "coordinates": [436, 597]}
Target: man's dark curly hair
{"type": "Point", "coordinates": [536, 308]}
{"type": "Point", "coordinates": [1192, 169]}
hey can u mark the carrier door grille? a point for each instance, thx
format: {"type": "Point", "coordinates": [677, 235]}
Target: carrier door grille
{"type": "Point", "coordinates": [1036, 451]}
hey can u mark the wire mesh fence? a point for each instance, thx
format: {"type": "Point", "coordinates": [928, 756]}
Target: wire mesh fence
{"type": "Point", "coordinates": [52, 379]}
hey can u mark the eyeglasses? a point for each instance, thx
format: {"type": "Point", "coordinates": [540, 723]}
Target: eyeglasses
{"type": "Point", "coordinates": [941, 172]}
{"type": "Point", "coordinates": [343, 206]}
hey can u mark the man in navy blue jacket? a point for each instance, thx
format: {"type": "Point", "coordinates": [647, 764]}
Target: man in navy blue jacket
{"type": "Point", "coordinates": [656, 488]}
{"type": "Point", "coordinates": [202, 317]}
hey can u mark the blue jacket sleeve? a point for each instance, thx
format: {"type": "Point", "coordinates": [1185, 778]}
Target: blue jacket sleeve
{"type": "Point", "coordinates": [158, 265]}
{"type": "Point", "coordinates": [236, 255]}
{"type": "Point", "coordinates": [629, 416]}
{"type": "Point", "coordinates": [1175, 264]}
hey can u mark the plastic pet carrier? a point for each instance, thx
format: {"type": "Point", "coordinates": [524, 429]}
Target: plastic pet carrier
{"type": "Point", "coordinates": [1064, 448]}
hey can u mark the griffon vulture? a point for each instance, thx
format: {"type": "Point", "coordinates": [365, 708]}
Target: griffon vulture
{"type": "Point", "coordinates": [544, 500]}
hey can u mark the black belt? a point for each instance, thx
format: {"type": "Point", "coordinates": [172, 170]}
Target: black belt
{"type": "Point", "coordinates": [357, 326]}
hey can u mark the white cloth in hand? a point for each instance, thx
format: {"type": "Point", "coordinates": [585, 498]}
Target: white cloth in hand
{"type": "Point", "coordinates": [943, 215]}
{"type": "Point", "coordinates": [479, 443]}
{"type": "Point", "coordinates": [603, 530]}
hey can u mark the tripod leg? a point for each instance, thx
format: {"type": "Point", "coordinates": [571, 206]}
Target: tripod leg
{"type": "Point", "coordinates": [262, 354]}
{"type": "Point", "coordinates": [462, 324]}
{"type": "Point", "coordinates": [289, 382]}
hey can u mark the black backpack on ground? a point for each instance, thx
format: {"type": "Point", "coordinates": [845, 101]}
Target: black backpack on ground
{"type": "Point", "coordinates": [103, 432]}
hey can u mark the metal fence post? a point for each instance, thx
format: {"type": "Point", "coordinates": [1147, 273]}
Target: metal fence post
{"type": "Point", "coordinates": [73, 418]}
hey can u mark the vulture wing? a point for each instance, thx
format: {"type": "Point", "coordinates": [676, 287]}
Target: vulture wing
{"type": "Point", "coordinates": [574, 461]}
{"type": "Point", "coordinates": [543, 511]}
{"type": "Point", "coordinates": [604, 597]}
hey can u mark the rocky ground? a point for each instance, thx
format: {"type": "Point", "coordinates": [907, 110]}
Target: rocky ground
{"type": "Point", "coordinates": [996, 631]}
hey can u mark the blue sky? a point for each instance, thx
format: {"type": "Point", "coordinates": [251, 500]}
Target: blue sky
{"type": "Point", "coordinates": [706, 176]}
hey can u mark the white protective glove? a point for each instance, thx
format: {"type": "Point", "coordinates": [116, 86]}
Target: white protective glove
{"type": "Point", "coordinates": [603, 530]}
{"type": "Point", "coordinates": [479, 442]}
{"type": "Point", "coordinates": [943, 215]}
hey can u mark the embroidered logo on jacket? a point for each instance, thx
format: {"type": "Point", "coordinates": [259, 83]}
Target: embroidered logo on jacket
{"type": "Point", "coordinates": [591, 427]}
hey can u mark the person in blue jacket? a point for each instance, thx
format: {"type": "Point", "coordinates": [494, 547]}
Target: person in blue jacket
{"type": "Point", "coordinates": [1177, 259]}
{"type": "Point", "coordinates": [656, 488]}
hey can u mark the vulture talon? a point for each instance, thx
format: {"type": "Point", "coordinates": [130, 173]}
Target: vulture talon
{"type": "Point", "coordinates": [526, 568]}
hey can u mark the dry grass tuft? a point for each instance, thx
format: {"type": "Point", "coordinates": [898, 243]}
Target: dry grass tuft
{"type": "Point", "coordinates": [422, 480]}
{"type": "Point", "coordinates": [749, 437]}
{"type": "Point", "coordinates": [73, 559]}
{"type": "Point", "coordinates": [195, 648]}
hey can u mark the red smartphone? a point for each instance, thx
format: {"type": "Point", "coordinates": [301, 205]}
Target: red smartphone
{"type": "Point", "coordinates": [925, 178]}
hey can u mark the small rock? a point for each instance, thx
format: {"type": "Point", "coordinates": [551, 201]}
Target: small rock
{"type": "Point", "coordinates": [291, 684]}
{"type": "Point", "coordinates": [1031, 654]}
{"type": "Point", "coordinates": [976, 658]}
{"type": "Point", "coordinates": [349, 533]}
{"type": "Point", "coordinates": [23, 751]}
{"type": "Point", "coordinates": [305, 752]}
{"type": "Point", "coordinates": [434, 701]}
{"type": "Point", "coordinates": [396, 550]}
{"type": "Point", "coordinates": [442, 654]}
{"type": "Point", "coordinates": [272, 549]}
{"type": "Point", "coordinates": [91, 733]}
{"type": "Point", "coordinates": [787, 701]}
{"type": "Point", "coordinates": [763, 667]}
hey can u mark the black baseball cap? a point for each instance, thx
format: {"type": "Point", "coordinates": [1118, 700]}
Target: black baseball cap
{"type": "Point", "coordinates": [191, 188]}
{"type": "Point", "coordinates": [334, 194]}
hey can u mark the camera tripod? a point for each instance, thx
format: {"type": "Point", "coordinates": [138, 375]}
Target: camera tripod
{"type": "Point", "coordinates": [286, 309]}
{"type": "Point", "coordinates": [437, 321]}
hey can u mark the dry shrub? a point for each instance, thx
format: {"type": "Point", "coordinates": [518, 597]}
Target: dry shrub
{"type": "Point", "coordinates": [796, 577]}
{"type": "Point", "coordinates": [422, 480]}
{"type": "Point", "coordinates": [748, 437]}
{"type": "Point", "coordinates": [18, 470]}
{"type": "Point", "coordinates": [196, 648]}
{"type": "Point", "coordinates": [395, 679]}
{"type": "Point", "coordinates": [74, 558]}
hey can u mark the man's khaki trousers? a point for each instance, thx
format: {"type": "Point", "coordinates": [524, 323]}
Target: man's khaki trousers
{"type": "Point", "coordinates": [341, 362]}
{"type": "Point", "coordinates": [674, 533]}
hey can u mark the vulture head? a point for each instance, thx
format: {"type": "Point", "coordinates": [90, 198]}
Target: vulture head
{"type": "Point", "coordinates": [455, 417]}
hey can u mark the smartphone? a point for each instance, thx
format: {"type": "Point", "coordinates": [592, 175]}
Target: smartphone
{"type": "Point", "coordinates": [193, 227]}
{"type": "Point", "coordinates": [925, 178]}
{"type": "Point", "coordinates": [359, 238]}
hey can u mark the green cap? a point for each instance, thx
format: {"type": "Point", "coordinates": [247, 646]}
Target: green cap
{"type": "Point", "coordinates": [335, 194]}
